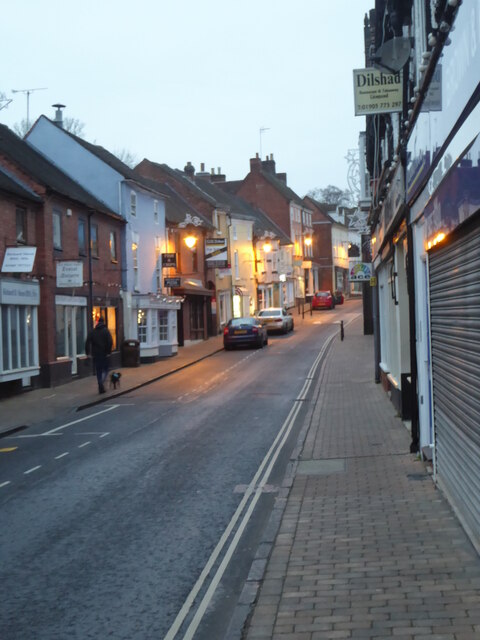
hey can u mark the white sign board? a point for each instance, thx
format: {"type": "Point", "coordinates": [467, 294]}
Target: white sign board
{"type": "Point", "coordinates": [70, 273]}
{"type": "Point", "coordinates": [376, 91]}
{"type": "Point", "coordinates": [360, 272]}
{"type": "Point", "coordinates": [19, 259]}
{"type": "Point", "coordinates": [216, 252]}
{"type": "Point", "coordinates": [20, 293]}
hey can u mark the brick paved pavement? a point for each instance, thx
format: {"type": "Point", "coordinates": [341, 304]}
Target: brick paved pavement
{"type": "Point", "coordinates": [367, 547]}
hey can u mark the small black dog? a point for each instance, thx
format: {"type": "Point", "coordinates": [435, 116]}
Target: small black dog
{"type": "Point", "coordinates": [115, 379]}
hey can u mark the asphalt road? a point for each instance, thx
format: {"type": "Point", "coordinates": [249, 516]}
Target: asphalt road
{"type": "Point", "coordinates": [140, 519]}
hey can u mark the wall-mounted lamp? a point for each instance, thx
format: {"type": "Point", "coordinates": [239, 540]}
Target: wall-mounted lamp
{"type": "Point", "coordinates": [190, 241]}
{"type": "Point", "coordinates": [308, 241]}
{"type": "Point", "coordinates": [267, 247]}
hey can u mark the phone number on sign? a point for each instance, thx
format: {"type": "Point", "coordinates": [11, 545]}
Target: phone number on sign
{"type": "Point", "coordinates": [380, 105]}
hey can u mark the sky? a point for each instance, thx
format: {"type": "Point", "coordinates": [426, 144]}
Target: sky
{"type": "Point", "coordinates": [205, 81]}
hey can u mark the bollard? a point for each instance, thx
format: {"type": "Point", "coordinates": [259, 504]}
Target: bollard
{"type": "Point", "coordinates": [341, 330]}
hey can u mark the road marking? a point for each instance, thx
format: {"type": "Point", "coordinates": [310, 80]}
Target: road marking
{"type": "Point", "coordinates": [69, 424]}
{"type": "Point", "coordinates": [85, 444]}
{"type": "Point", "coordinates": [8, 449]}
{"type": "Point", "coordinates": [107, 433]}
{"type": "Point", "coordinates": [4, 484]}
{"type": "Point", "coordinates": [33, 469]}
{"type": "Point", "coordinates": [62, 455]}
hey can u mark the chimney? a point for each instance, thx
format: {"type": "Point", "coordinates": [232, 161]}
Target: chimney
{"type": "Point", "coordinates": [202, 173]}
{"type": "Point", "coordinates": [217, 177]}
{"type": "Point", "coordinates": [255, 163]}
{"type": "Point", "coordinates": [59, 114]}
{"type": "Point", "coordinates": [189, 170]}
{"type": "Point", "coordinates": [268, 164]}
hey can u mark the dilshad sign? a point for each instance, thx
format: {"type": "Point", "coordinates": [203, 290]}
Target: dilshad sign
{"type": "Point", "coordinates": [376, 91]}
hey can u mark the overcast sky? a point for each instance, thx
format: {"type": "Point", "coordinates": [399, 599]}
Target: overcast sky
{"type": "Point", "coordinates": [179, 80]}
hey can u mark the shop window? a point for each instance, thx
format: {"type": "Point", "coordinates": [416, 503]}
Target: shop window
{"type": "Point", "coordinates": [82, 237]}
{"type": "Point", "coordinates": [109, 315]}
{"type": "Point", "coordinates": [142, 325]}
{"type": "Point", "coordinates": [71, 330]}
{"type": "Point", "coordinates": [18, 339]}
{"type": "Point", "coordinates": [163, 325]}
{"type": "Point", "coordinates": [21, 225]}
{"type": "Point", "coordinates": [57, 230]}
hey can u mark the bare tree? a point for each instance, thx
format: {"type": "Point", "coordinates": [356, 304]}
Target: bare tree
{"type": "Point", "coordinates": [331, 195]}
{"type": "Point", "coordinates": [72, 125]}
{"type": "Point", "coordinates": [126, 156]}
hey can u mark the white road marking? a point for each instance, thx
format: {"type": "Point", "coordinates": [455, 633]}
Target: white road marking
{"type": "Point", "coordinates": [85, 444]}
{"type": "Point", "coordinates": [32, 469]}
{"type": "Point", "coordinates": [107, 433]}
{"type": "Point", "coordinates": [4, 484]}
{"type": "Point", "coordinates": [62, 455]}
{"type": "Point", "coordinates": [69, 424]}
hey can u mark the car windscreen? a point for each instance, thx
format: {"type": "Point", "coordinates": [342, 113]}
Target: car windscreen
{"type": "Point", "coordinates": [322, 294]}
{"type": "Point", "coordinates": [270, 312]}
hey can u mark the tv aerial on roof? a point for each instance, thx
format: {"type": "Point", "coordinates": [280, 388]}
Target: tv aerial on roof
{"type": "Point", "coordinates": [393, 55]}
{"type": "Point", "coordinates": [27, 92]}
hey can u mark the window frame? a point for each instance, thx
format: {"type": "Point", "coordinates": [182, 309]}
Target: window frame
{"type": "Point", "coordinates": [21, 214]}
{"type": "Point", "coordinates": [57, 230]}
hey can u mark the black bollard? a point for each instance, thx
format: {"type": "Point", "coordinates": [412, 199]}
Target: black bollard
{"type": "Point", "coordinates": [341, 330]}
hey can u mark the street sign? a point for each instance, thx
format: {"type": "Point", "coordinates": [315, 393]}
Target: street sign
{"type": "Point", "coordinates": [172, 282]}
{"type": "Point", "coordinates": [216, 252]}
{"type": "Point", "coordinates": [360, 272]}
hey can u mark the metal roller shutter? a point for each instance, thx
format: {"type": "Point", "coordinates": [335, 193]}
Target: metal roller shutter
{"type": "Point", "coordinates": [454, 273]}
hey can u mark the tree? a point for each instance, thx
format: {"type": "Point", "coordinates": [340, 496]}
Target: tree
{"type": "Point", "coordinates": [331, 195]}
{"type": "Point", "coordinates": [126, 156]}
{"type": "Point", "coordinates": [72, 125]}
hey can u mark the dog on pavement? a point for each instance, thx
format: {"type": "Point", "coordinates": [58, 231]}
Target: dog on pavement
{"type": "Point", "coordinates": [115, 379]}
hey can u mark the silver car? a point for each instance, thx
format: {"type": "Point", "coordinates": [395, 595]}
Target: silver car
{"type": "Point", "coordinates": [276, 319]}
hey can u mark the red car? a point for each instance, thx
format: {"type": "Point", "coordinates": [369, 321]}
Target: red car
{"type": "Point", "coordinates": [323, 300]}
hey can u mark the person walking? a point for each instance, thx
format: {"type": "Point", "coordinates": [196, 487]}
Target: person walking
{"type": "Point", "coordinates": [99, 344]}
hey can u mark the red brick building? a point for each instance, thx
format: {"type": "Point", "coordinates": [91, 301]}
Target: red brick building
{"type": "Point", "coordinates": [74, 273]}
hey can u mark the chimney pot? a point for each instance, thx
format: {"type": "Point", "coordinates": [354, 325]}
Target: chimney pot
{"type": "Point", "coordinates": [58, 114]}
{"type": "Point", "coordinates": [202, 167]}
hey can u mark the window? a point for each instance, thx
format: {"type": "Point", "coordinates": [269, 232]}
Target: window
{"type": "Point", "coordinates": [21, 225]}
{"type": "Point", "coordinates": [236, 265]}
{"type": "Point", "coordinates": [133, 203]}
{"type": "Point", "coordinates": [109, 315]}
{"type": "Point", "coordinates": [155, 211]}
{"type": "Point", "coordinates": [135, 261]}
{"type": "Point", "coordinates": [215, 219]}
{"type": "Point", "coordinates": [158, 262]}
{"type": "Point", "coordinates": [82, 238]}
{"type": "Point", "coordinates": [142, 325]}
{"type": "Point", "coordinates": [57, 230]}
{"type": "Point", "coordinates": [234, 231]}
{"type": "Point", "coordinates": [18, 327]}
{"type": "Point", "coordinates": [113, 246]}
{"type": "Point", "coordinates": [94, 240]}
{"type": "Point", "coordinates": [163, 325]}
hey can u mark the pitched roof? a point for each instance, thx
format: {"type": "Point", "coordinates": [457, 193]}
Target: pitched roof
{"type": "Point", "coordinates": [110, 159]}
{"type": "Point", "coordinates": [177, 208]}
{"type": "Point", "coordinates": [280, 186]}
{"type": "Point", "coordinates": [33, 163]}
{"type": "Point", "coordinates": [12, 184]}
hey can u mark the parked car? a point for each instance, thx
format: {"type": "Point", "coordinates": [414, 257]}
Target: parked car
{"type": "Point", "coordinates": [276, 319]}
{"type": "Point", "coordinates": [338, 297]}
{"type": "Point", "coordinates": [323, 300]}
{"type": "Point", "coordinates": [244, 332]}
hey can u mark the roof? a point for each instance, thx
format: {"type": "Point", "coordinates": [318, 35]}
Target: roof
{"type": "Point", "coordinates": [111, 160]}
{"type": "Point", "coordinates": [177, 208]}
{"type": "Point", "coordinates": [44, 172]}
{"type": "Point", "coordinates": [13, 185]}
{"type": "Point", "coordinates": [280, 186]}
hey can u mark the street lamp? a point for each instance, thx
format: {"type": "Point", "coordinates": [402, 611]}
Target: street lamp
{"type": "Point", "coordinates": [190, 241]}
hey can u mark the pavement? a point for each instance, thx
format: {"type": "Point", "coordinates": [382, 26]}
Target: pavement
{"type": "Point", "coordinates": [360, 543]}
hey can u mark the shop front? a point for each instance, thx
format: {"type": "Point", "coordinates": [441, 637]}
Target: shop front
{"type": "Point", "coordinates": [19, 355]}
{"type": "Point", "coordinates": [155, 318]}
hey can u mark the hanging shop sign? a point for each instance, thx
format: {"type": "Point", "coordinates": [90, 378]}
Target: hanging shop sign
{"type": "Point", "coordinates": [69, 273]}
{"type": "Point", "coordinates": [169, 260]}
{"type": "Point", "coordinates": [216, 252]}
{"type": "Point", "coordinates": [376, 91]}
{"type": "Point", "coordinates": [361, 272]}
{"type": "Point", "coordinates": [19, 293]}
{"type": "Point", "coordinates": [172, 282]}
{"type": "Point", "coordinates": [19, 259]}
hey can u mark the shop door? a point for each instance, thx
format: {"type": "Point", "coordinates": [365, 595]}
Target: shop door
{"type": "Point", "coordinates": [454, 284]}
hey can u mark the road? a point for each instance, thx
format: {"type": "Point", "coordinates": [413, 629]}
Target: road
{"type": "Point", "coordinates": [141, 518]}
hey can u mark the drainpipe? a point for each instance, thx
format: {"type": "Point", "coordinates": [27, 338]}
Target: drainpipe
{"type": "Point", "coordinates": [90, 272]}
{"type": "Point", "coordinates": [414, 445]}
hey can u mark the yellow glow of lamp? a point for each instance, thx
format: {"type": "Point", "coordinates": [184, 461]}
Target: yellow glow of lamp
{"type": "Point", "coordinates": [190, 241]}
{"type": "Point", "coordinates": [308, 241]}
{"type": "Point", "coordinates": [267, 247]}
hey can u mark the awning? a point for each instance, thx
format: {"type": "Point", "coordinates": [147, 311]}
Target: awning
{"type": "Point", "coordinates": [193, 287]}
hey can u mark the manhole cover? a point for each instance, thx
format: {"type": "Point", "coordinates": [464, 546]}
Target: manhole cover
{"type": "Point", "coordinates": [321, 467]}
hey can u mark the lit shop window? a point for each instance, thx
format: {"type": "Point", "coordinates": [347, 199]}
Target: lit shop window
{"type": "Point", "coordinates": [142, 325]}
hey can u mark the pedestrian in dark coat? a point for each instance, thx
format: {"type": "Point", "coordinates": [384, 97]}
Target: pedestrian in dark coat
{"type": "Point", "coordinates": [99, 344]}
